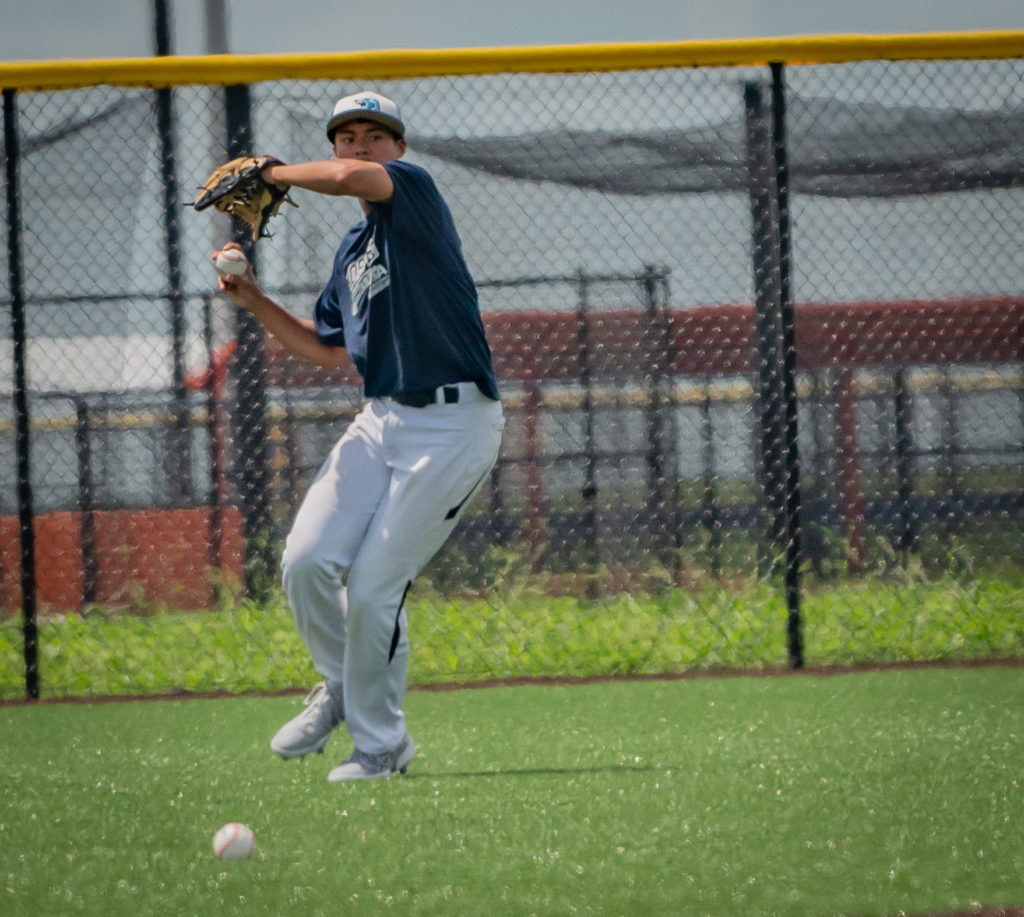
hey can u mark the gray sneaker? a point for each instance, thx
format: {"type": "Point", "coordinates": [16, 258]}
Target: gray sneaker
{"type": "Point", "coordinates": [364, 766]}
{"type": "Point", "coordinates": [310, 730]}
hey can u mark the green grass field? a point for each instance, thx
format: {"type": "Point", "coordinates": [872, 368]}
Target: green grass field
{"type": "Point", "coordinates": [861, 794]}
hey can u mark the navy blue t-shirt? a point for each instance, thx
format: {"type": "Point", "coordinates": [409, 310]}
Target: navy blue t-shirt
{"type": "Point", "coordinates": [400, 298]}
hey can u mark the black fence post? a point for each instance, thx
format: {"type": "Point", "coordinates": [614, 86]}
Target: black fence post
{"type": "Point", "coordinates": [217, 493]}
{"type": "Point", "coordinates": [907, 538]}
{"type": "Point", "coordinates": [86, 501]}
{"type": "Point", "coordinates": [662, 487]}
{"type": "Point", "coordinates": [23, 427]}
{"type": "Point", "coordinates": [775, 351]}
{"type": "Point", "coordinates": [768, 321]}
{"type": "Point", "coordinates": [710, 516]}
{"type": "Point", "coordinates": [589, 490]}
{"type": "Point", "coordinates": [787, 316]}
{"type": "Point", "coordinates": [178, 457]}
{"type": "Point", "coordinates": [949, 457]}
{"type": "Point", "coordinates": [250, 460]}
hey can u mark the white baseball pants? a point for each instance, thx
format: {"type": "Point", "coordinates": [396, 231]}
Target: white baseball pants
{"type": "Point", "coordinates": [386, 498]}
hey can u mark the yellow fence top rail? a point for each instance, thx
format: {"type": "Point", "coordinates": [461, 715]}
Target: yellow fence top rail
{"type": "Point", "coordinates": [397, 64]}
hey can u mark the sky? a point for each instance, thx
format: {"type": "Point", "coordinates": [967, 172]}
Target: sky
{"type": "Point", "coordinates": [50, 29]}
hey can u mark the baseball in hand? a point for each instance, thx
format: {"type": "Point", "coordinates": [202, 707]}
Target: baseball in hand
{"type": "Point", "coordinates": [231, 262]}
{"type": "Point", "coordinates": [234, 841]}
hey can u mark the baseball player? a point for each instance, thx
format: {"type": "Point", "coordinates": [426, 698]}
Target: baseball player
{"type": "Point", "coordinates": [401, 305]}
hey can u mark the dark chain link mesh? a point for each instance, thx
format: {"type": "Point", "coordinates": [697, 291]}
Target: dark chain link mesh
{"type": "Point", "coordinates": [626, 256]}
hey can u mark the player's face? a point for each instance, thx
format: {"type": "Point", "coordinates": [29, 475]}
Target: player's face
{"type": "Point", "coordinates": [367, 140]}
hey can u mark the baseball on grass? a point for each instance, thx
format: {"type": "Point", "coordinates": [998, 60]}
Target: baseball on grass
{"type": "Point", "coordinates": [231, 261]}
{"type": "Point", "coordinates": [234, 841]}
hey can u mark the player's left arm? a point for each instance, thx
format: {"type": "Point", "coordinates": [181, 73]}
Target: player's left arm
{"type": "Point", "coordinates": [366, 180]}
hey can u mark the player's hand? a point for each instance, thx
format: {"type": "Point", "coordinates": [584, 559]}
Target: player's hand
{"type": "Point", "coordinates": [265, 174]}
{"type": "Point", "coordinates": [242, 289]}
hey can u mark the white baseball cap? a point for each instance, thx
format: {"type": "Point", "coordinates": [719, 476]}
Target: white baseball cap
{"type": "Point", "coordinates": [366, 106]}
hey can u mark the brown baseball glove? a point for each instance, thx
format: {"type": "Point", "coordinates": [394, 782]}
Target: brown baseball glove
{"type": "Point", "coordinates": [239, 189]}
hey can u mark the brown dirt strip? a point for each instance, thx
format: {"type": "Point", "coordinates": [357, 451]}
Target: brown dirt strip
{"type": "Point", "coordinates": [559, 680]}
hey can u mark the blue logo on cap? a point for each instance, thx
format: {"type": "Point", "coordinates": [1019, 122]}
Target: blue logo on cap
{"type": "Point", "coordinates": [371, 104]}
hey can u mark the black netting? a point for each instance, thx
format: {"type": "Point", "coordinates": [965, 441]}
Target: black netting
{"type": "Point", "coordinates": [837, 149]}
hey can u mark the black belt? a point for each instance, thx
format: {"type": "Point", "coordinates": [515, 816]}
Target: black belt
{"type": "Point", "coordinates": [421, 397]}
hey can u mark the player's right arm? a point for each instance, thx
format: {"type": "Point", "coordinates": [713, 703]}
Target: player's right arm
{"type": "Point", "coordinates": [297, 335]}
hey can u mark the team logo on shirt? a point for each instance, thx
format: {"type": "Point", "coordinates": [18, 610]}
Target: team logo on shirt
{"type": "Point", "coordinates": [366, 275]}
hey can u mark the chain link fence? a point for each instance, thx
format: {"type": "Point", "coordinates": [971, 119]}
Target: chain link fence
{"type": "Point", "coordinates": [758, 331]}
